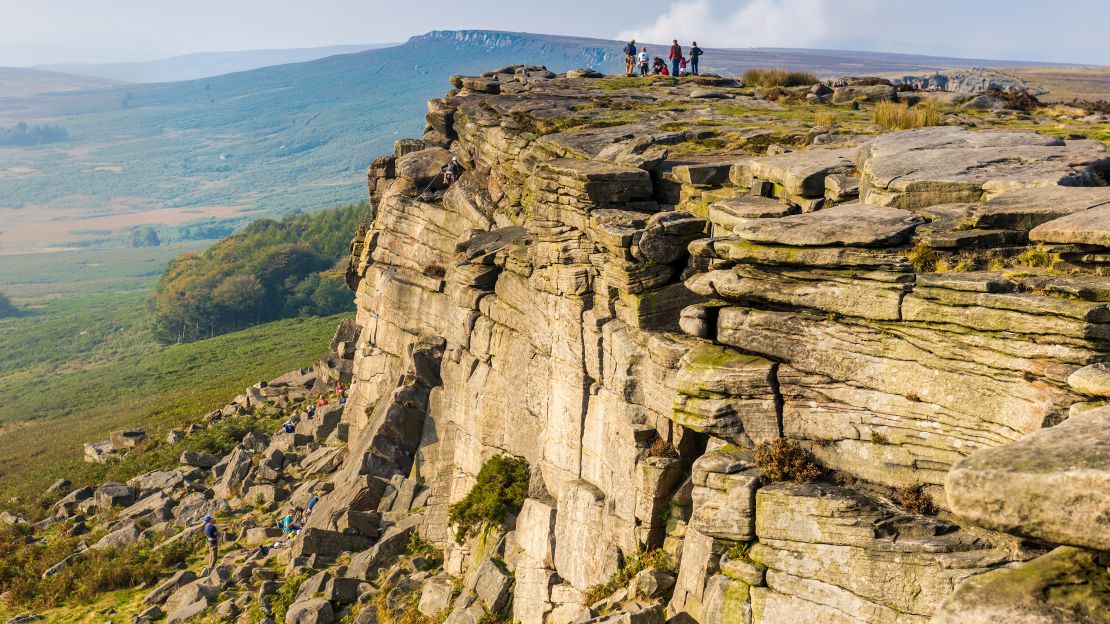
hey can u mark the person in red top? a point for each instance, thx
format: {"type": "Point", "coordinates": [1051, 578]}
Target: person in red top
{"type": "Point", "coordinates": [675, 57]}
{"type": "Point", "coordinates": [322, 402]}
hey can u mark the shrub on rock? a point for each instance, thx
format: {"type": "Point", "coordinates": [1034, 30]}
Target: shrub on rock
{"type": "Point", "coordinates": [500, 489]}
{"type": "Point", "coordinates": [783, 459]}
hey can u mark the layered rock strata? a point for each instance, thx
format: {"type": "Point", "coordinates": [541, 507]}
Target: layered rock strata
{"type": "Point", "coordinates": [634, 323]}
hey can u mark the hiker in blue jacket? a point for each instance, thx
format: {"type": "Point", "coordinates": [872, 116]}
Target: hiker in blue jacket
{"type": "Point", "coordinates": [213, 536]}
{"type": "Point", "coordinates": [629, 57]}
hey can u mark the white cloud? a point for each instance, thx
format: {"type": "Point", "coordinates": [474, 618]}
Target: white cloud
{"type": "Point", "coordinates": [757, 23]}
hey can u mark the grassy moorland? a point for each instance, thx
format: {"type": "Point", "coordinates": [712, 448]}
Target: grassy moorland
{"type": "Point", "coordinates": [80, 360]}
{"type": "Point", "coordinates": [55, 403]}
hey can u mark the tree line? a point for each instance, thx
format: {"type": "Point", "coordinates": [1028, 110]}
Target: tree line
{"type": "Point", "coordinates": [268, 271]}
{"type": "Point", "coordinates": [23, 135]}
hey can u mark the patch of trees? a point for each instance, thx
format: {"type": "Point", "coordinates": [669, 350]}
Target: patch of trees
{"type": "Point", "coordinates": [23, 135]}
{"type": "Point", "coordinates": [268, 271]}
{"type": "Point", "coordinates": [7, 308]}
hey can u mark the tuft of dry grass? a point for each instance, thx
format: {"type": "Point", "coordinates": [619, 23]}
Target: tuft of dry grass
{"type": "Point", "coordinates": [914, 498]}
{"type": "Point", "coordinates": [783, 459]}
{"type": "Point", "coordinates": [901, 116]}
{"type": "Point", "coordinates": [777, 77]}
{"type": "Point", "coordinates": [824, 118]}
{"type": "Point", "coordinates": [663, 448]}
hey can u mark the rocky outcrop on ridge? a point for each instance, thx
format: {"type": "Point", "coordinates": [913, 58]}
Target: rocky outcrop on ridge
{"type": "Point", "coordinates": [909, 309]}
{"type": "Point", "coordinates": [758, 374]}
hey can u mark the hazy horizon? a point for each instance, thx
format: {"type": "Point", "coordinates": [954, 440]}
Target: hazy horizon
{"type": "Point", "coordinates": [99, 31]}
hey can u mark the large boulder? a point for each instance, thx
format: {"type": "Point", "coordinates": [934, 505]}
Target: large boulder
{"type": "Point", "coordinates": [314, 611]}
{"type": "Point", "coordinates": [194, 507]}
{"type": "Point", "coordinates": [435, 597]}
{"type": "Point", "coordinates": [100, 451]}
{"type": "Point", "coordinates": [114, 494]}
{"type": "Point", "coordinates": [166, 588]}
{"type": "Point", "coordinates": [1053, 485]}
{"type": "Point", "coordinates": [1066, 586]}
{"type": "Point", "coordinates": [870, 93]}
{"type": "Point", "coordinates": [1093, 380]}
{"type": "Point", "coordinates": [313, 541]}
{"type": "Point", "coordinates": [424, 167]}
{"type": "Point", "coordinates": [491, 582]}
{"type": "Point", "coordinates": [123, 536]}
{"type": "Point", "coordinates": [236, 467]}
{"type": "Point", "coordinates": [1088, 227]}
{"type": "Point", "coordinates": [199, 459]}
{"type": "Point", "coordinates": [128, 438]}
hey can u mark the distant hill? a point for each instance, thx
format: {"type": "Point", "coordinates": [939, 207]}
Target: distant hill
{"type": "Point", "coordinates": [19, 82]}
{"type": "Point", "coordinates": [204, 64]}
{"type": "Point", "coordinates": [262, 142]}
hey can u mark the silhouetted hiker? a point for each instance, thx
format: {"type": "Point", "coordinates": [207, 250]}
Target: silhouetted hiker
{"type": "Point", "coordinates": [213, 541]}
{"type": "Point", "coordinates": [629, 57]}
{"type": "Point", "coordinates": [644, 61]}
{"type": "Point", "coordinates": [695, 54]}
{"type": "Point", "coordinates": [675, 56]}
{"type": "Point", "coordinates": [451, 171]}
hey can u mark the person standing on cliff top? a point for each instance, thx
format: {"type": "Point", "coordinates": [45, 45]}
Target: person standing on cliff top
{"type": "Point", "coordinates": [695, 54]}
{"type": "Point", "coordinates": [629, 57]}
{"type": "Point", "coordinates": [675, 57]}
{"type": "Point", "coordinates": [644, 61]}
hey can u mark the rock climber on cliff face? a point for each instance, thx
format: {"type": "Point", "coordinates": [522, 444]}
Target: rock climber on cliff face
{"type": "Point", "coordinates": [451, 171]}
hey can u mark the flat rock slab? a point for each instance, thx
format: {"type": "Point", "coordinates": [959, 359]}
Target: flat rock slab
{"type": "Point", "coordinates": [926, 166]}
{"type": "Point", "coordinates": [847, 225]}
{"type": "Point", "coordinates": [1052, 485]}
{"type": "Point", "coordinates": [1090, 227]}
{"type": "Point", "coordinates": [729, 213]}
{"type": "Point", "coordinates": [1025, 209]}
{"type": "Point", "coordinates": [803, 172]}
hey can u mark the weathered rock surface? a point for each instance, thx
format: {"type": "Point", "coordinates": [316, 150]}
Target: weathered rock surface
{"type": "Point", "coordinates": [1053, 485]}
{"type": "Point", "coordinates": [1063, 587]}
{"type": "Point", "coordinates": [853, 225]}
{"type": "Point", "coordinates": [924, 317]}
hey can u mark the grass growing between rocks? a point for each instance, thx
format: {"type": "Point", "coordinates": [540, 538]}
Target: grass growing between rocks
{"type": "Point", "coordinates": [500, 490]}
{"type": "Point", "coordinates": [652, 559]}
{"type": "Point", "coordinates": [776, 77]}
{"type": "Point", "coordinates": [285, 595]}
{"type": "Point", "coordinates": [901, 116]}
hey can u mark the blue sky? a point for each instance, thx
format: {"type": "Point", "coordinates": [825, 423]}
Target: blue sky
{"type": "Point", "coordinates": [48, 31]}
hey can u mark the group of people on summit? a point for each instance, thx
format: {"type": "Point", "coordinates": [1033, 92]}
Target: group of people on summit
{"type": "Point", "coordinates": [679, 65]}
